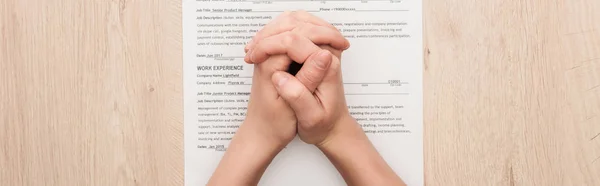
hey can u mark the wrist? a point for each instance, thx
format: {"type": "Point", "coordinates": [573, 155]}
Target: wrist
{"type": "Point", "coordinates": [247, 157]}
{"type": "Point", "coordinates": [349, 150]}
{"type": "Point", "coordinates": [345, 130]}
{"type": "Point", "coordinates": [259, 138]}
{"type": "Point", "coordinates": [254, 132]}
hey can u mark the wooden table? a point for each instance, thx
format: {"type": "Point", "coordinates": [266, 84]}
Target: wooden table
{"type": "Point", "coordinates": [91, 92]}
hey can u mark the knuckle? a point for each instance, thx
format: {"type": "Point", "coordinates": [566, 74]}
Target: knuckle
{"type": "Point", "coordinates": [277, 63]}
{"type": "Point", "coordinates": [310, 77]}
{"type": "Point", "coordinates": [258, 47]}
{"type": "Point", "coordinates": [294, 13]}
{"type": "Point", "coordinates": [306, 29]}
{"type": "Point", "coordinates": [313, 29]}
{"type": "Point", "coordinates": [299, 13]}
{"type": "Point", "coordinates": [335, 67]}
{"type": "Point", "coordinates": [286, 13]}
{"type": "Point", "coordinates": [299, 27]}
{"type": "Point", "coordinates": [318, 67]}
{"type": "Point", "coordinates": [289, 38]}
{"type": "Point", "coordinates": [316, 34]}
{"type": "Point", "coordinates": [290, 20]}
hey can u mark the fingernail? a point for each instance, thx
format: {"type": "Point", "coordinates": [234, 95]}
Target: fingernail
{"type": "Point", "coordinates": [249, 45]}
{"type": "Point", "coordinates": [282, 79]}
{"type": "Point", "coordinates": [251, 52]}
{"type": "Point", "coordinates": [322, 59]}
{"type": "Point", "coordinates": [247, 57]}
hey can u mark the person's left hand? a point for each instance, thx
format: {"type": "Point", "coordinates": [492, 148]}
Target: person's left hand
{"type": "Point", "coordinates": [291, 36]}
{"type": "Point", "coordinates": [269, 126]}
{"type": "Point", "coordinates": [270, 123]}
{"type": "Point", "coordinates": [298, 34]}
{"type": "Point", "coordinates": [268, 116]}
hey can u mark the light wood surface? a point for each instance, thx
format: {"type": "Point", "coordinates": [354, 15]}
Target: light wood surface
{"type": "Point", "coordinates": [91, 92]}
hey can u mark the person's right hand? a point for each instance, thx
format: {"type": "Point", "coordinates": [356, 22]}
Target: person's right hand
{"type": "Point", "coordinates": [316, 93]}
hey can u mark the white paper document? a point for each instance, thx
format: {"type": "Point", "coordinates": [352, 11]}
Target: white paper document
{"type": "Point", "coordinates": [382, 73]}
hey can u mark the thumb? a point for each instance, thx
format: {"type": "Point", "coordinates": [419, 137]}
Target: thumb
{"type": "Point", "coordinates": [315, 67]}
{"type": "Point", "coordinates": [303, 102]}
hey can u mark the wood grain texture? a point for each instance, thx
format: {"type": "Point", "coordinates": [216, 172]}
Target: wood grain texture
{"type": "Point", "coordinates": [91, 92]}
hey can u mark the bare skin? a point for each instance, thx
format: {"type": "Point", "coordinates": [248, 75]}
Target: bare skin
{"type": "Point", "coordinates": [310, 104]}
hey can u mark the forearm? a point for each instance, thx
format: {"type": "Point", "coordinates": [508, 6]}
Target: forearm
{"type": "Point", "coordinates": [356, 159]}
{"type": "Point", "coordinates": [245, 160]}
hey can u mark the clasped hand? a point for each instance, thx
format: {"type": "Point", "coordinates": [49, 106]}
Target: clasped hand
{"type": "Point", "coordinates": [312, 102]}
